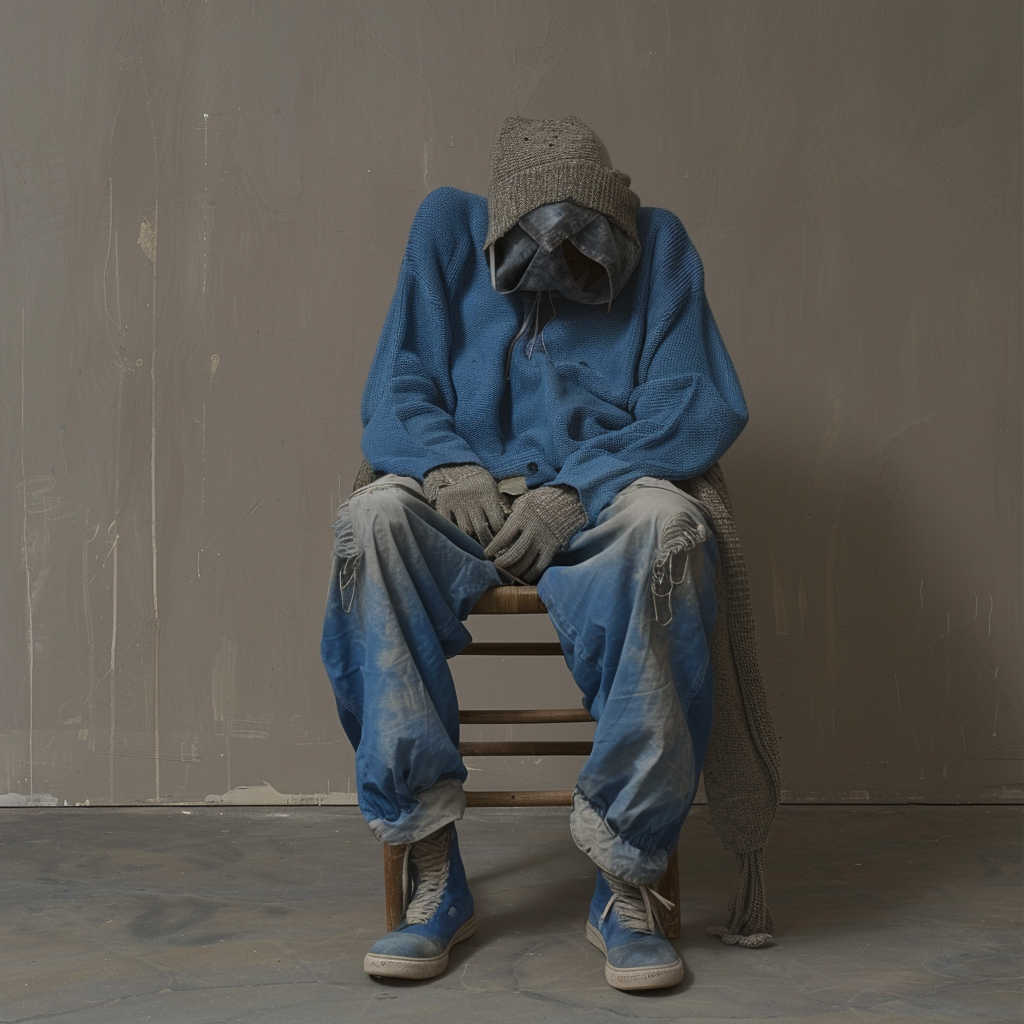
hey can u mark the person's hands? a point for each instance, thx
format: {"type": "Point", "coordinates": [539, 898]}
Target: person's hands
{"type": "Point", "coordinates": [541, 523]}
{"type": "Point", "coordinates": [467, 495]}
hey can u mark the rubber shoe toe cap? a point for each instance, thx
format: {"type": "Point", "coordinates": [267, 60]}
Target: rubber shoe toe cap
{"type": "Point", "coordinates": [408, 944]}
{"type": "Point", "coordinates": [649, 951]}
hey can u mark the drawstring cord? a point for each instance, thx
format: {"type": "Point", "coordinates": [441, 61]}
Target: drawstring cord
{"type": "Point", "coordinates": [532, 317]}
{"type": "Point", "coordinates": [538, 333]}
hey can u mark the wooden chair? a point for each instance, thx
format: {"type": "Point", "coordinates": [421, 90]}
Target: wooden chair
{"type": "Point", "coordinates": [518, 601]}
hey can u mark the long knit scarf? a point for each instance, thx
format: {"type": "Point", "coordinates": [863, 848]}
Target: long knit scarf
{"type": "Point", "coordinates": [741, 769]}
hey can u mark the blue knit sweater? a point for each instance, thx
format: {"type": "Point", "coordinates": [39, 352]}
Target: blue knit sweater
{"type": "Point", "coordinates": [645, 389]}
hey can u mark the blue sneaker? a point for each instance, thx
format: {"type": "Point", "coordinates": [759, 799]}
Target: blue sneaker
{"type": "Point", "coordinates": [624, 925]}
{"type": "Point", "coordinates": [439, 914]}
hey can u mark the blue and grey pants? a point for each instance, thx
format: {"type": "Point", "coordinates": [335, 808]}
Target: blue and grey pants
{"type": "Point", "coordinates": [632, 600]}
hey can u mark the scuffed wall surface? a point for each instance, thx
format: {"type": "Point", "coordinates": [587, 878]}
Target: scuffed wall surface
{"type": "Point", "coordinates": [203, 211]}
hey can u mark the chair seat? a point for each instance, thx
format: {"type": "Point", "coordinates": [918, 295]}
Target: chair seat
{"type": "Point", "coordinates": [510, 601]}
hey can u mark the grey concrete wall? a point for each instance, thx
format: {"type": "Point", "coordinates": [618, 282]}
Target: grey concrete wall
{"type": "Point", "coordinates": [204, 206]}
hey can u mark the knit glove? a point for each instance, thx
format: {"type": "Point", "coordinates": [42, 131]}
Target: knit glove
{"type": "Point", "coordinates": [467, 495]}
{"type": "Point", "coordinates": [540, 525]}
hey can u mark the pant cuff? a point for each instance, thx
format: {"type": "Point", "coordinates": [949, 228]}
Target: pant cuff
{"type": "Point", "coordinates": [436, 807]}
{"type": "Point", "coordinates": [612, 853]}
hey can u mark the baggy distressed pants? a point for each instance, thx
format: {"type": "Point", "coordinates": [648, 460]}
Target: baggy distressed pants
{"type": "Point", "coordinates": [632, 600]}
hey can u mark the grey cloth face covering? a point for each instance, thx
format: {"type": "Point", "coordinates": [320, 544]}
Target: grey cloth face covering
{"type": "Point", "coordinates": [530, 256]}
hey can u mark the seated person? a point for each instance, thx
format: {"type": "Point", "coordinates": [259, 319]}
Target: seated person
{"type": "Point", "coordinates": [548, 367]}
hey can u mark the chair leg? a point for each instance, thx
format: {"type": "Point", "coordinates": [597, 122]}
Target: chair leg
{"type": "Point", "coordinates": [669, 888]}
{"type": "Point", "coordinates": [394, 855]}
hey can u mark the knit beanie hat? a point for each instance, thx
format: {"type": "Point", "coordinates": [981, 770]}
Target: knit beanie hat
{"type": "Point", "coordinates": [534, 162]}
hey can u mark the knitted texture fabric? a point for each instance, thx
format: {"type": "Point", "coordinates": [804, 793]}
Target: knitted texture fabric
{"type": "Point", "coordinates": [542, 522]}
{"type": "Point", "coordinates": [446, 476]}
{"type": "Point", "coordinates": [365, 476]}
{"type": "Point", "coordinates": [594, 398]}
{"type": "Point", "coordinates": [467, 495]}
{"type": "Point", "coordinates": [558, 508]}
{"type": "Point", "coordinates": [534, 162]}
{"type": "Point", "coordinates": [742, 774]}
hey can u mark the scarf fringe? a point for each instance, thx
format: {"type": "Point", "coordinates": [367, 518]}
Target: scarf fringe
{"type": "Point", "coordinates": [750, 920]}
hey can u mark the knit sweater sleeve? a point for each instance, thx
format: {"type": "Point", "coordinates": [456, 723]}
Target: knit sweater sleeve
{"type": "Point", "coordinates": [409, 400]}
{"type": "Point", "coordinates": [687, 406]}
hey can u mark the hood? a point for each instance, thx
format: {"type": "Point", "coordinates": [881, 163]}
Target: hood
{"type": "Point", "coordinates": [565, 248]}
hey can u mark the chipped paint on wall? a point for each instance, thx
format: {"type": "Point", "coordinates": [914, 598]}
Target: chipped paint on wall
{"type": "Point", "coordinates": [267, 794]}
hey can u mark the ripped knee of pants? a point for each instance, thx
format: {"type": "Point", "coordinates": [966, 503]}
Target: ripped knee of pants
{"type": "Point", "coordinates": [682, 534]}
{"type": "Point", "coordinates": [349, 555]}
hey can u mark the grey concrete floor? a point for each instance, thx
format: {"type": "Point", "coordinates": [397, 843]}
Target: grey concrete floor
{"type": "Point", "coordinates": [240, 914]}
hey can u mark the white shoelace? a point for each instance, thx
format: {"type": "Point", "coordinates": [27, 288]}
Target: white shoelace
{"type": "Point", "coordinates": [430, 857]}
{"type": "Point", "coordinates": [636, 911]}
